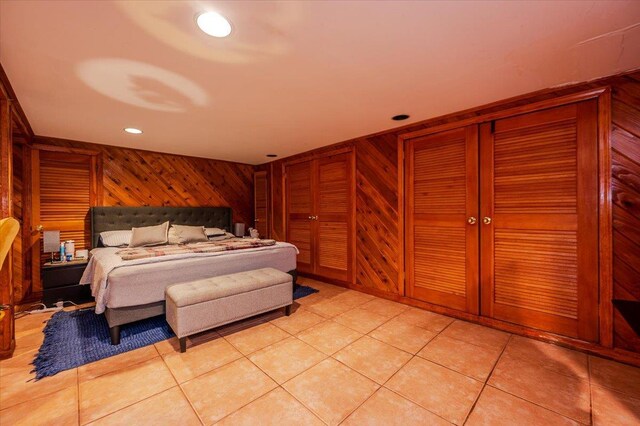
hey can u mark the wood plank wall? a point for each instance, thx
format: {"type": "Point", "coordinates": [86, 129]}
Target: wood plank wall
{"type": "Point", "coordinates": [378, 200]}
{"type": "Point", "coordinates": [135, 178]}
{"type": "Point", "coordinates": [625, 142]}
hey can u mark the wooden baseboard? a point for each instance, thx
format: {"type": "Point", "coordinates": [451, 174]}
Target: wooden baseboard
{"type": "Point", "coordinates": [340, 283]}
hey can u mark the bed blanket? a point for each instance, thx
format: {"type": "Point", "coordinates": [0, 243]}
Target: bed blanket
{"type": "Point", "coordinates": [201, 247]}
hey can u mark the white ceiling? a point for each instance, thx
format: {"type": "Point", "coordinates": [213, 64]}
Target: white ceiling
{"type": "Point", "coordinates": [293, 75]}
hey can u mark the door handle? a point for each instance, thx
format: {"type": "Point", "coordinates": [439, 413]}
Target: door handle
{"type": "Point", "coordinates": [310, 217]}
{"type": "Point", "coordinates": [472, 220]}
{"type": "Point", "coordinates": [486, 220]}
{"type": "Point", "coordinates": [39, 228]}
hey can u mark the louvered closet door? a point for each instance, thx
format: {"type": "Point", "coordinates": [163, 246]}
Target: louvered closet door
{"type": "Point", "coordinates": [65, 182]}
{"type": "Point", "coordinates": [333, 217]}
{"type": "Point", "coordinates": [442, 200]}
{"type": "Point", "coordinates": [299, 178]}
{"type": "Point", "coordinates": [539, 186]}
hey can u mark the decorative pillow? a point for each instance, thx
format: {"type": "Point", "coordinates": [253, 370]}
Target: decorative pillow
{"type": "Point", "coordinates": [182, 234]}
{"type": "Point", "coordinates": [226, 236]}
{"type": "Point", "coordinates": [214, 232]}
{"type": "Point", "coordinates": [115, 238]}
{"type": "Point", "coordinates": [149, 235]}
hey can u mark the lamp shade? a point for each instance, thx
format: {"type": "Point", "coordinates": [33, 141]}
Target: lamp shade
{"type": "Point", "coordinates": [51, 241]}
{"type": "Point", "coordinates": [238, 229]}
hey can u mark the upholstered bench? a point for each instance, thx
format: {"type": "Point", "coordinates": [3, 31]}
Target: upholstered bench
{"type": "Point", "coordinates": [204, 304]}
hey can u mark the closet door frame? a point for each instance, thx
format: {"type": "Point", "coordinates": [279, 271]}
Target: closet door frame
{"type": "Point", "coordinates": [605, 238]}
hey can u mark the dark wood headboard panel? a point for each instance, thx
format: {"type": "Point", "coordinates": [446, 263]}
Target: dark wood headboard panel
{"type": "Point", "coordinates": [119, 218]}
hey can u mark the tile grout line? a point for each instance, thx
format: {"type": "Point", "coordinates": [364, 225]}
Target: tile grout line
{"type": "Point", "coordinates": [519, 397]}
{"type": "Point", "coordinates": [301, 403]}
{"type": "Point", "coordinates": [190, 404]}
{"type": "Point", "coordinates": [239, 408]}
{"type": "Point", "coordinates": [292, 377]}
{"type": "Point", "coordinates": [416, 404]}
{"type": "Point", "coordinates": [535, 403]}
{"type": "Point", "coordinates": [484, 383]}
{"type": "Point", "coordinates": [384, 385]}
{"type": "Point", "coordinates": [77, 396]}
{"type": "Point", "coordinates": [590, 390]}
{"type": "Point", "coordinates": [128, 405]}
{"type": "Point", "coordinates": [125, 407]}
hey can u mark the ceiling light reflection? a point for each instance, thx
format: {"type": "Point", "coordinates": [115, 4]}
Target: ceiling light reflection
{"type": "Point", "coordinates": [142, 85]}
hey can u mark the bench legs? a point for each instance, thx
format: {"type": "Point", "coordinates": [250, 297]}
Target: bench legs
{"type": "Point", "coordinates": [287, 310]}
{"type": "Point", "coordinates": [183, 344]}
{"type": "Point", "coordinates": [114, 333]}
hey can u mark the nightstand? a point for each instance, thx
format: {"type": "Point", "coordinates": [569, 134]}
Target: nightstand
{"type": "Point", "coordinates": [61, 281]}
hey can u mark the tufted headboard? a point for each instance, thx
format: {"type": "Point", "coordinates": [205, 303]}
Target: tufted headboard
{"type": "Point", "coordinates": [119, 218]}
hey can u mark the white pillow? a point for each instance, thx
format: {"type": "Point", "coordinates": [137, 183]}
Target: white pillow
{"type": "Point", "coordinates": [115, 238]}
{"type": "Point", "coordinates": [182, 234]}
{"type": "Point", "coordinates": [146, 236]}
{"type": "Point", "coordinates": [214, 232]}
{"type": "Point", "coordinates": [226, 236]}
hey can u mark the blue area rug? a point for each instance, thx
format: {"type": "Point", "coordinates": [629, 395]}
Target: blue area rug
{"type": "Point", "coordinates": [303, 291]}
{"type": "Point", "coordinates": [72, 339]}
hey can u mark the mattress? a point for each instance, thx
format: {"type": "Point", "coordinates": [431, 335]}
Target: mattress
{"type": "Point", "coordinates": [143, 283]}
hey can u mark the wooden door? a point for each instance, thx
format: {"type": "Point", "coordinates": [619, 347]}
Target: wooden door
{"type": "Point", "coordinates": [539, 186]}
{"type": "Point", "coordinates": [299, 179]}
{"type": "Point", "coordinates": [441, 218]}
{"type": "Point", "coordinates": [261, 203]}
{"type": "Point", "coordinates": [333, 217]}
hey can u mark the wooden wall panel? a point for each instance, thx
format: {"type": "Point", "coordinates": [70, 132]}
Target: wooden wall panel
{"type": "Point", "coordinates": [378, 242]}
{"type": "Point", "coordinates": [625, 158]}
{"type": "Point", "coordinates": [142, 178]}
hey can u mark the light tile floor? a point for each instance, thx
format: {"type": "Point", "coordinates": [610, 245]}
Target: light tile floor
{"type": "Point", "coordinates": [341, 357]}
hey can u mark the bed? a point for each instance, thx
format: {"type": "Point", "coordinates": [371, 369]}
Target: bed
{"type": "Point", "coordinates": [131, 290]}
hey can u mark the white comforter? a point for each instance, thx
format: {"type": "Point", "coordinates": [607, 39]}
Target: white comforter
{"type": "Point", "coordinates": [104, 260]}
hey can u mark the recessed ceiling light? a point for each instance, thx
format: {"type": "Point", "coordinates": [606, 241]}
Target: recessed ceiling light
{"type": "Point", "coordinates": [400, 117]}
{"type": "Point", "coordinates": [272, 155]}
{"type": "Point", "coordinates": [214, 24]}
{"type": "Point", "coordinates": [133, 130]}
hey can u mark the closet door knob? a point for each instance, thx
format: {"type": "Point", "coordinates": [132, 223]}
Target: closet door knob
{"type": "Point", "coordinates": [486, 220]}
{"type": "Point", "coordinates": [310, 217]}
{"type": "Point", "coordinates": [472, 220]}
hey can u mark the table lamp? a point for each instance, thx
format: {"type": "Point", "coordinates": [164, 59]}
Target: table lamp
{"type": "Point", "coordinates": [51, 242]}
